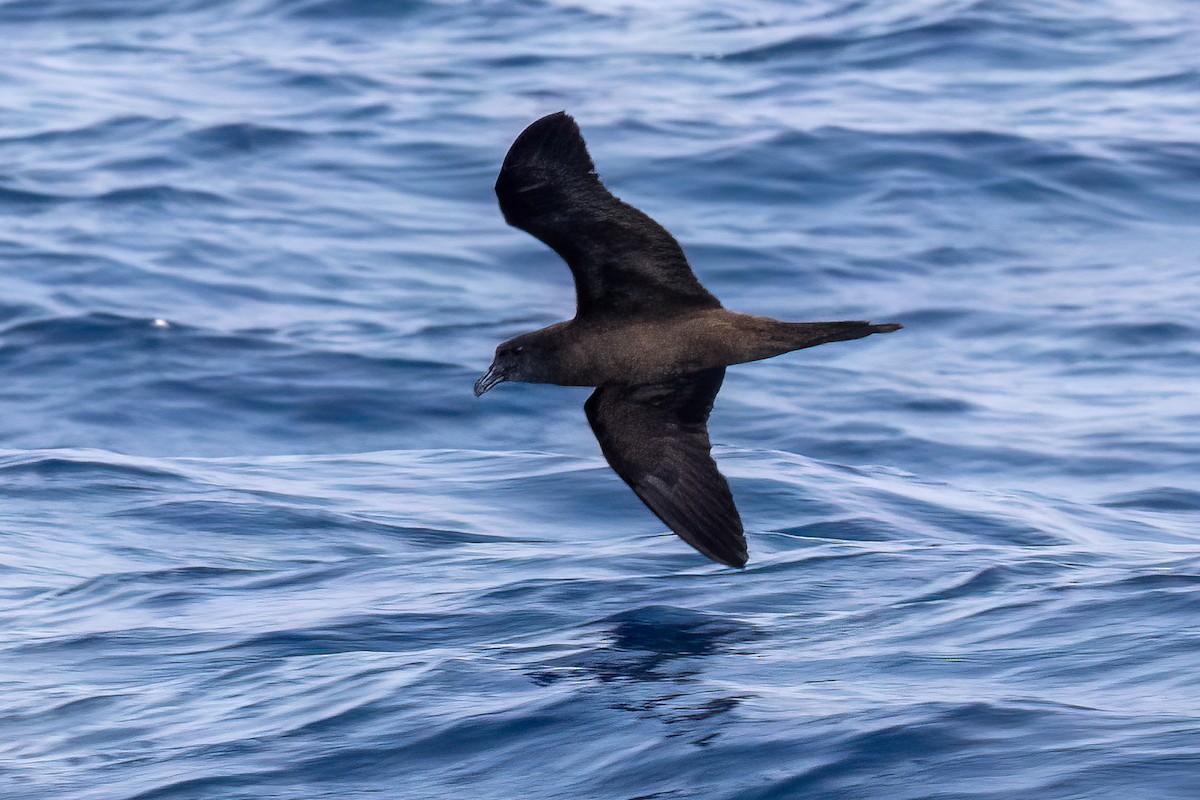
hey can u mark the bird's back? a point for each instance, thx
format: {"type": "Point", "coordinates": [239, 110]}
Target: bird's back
{"type": "Point", "coordinates": [655, 348]}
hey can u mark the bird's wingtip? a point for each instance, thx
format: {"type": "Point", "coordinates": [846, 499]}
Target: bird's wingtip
{"type": "Point", "coordinates": [731, 554]}
{"type": "Point", "coordinates": [552, 139]}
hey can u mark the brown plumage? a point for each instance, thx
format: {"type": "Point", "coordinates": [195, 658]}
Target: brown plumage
{"type": "Point", "coordinates": [646, 333]}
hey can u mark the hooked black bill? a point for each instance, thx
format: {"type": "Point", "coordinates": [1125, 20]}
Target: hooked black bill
{"type": "Point", "coordinates": [489, 379]}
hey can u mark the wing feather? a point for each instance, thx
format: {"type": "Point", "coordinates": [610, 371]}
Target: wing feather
{"type": "Point", "coordinates": [655, 437]}
{"type": "Point", "coordinates": [623, 261]}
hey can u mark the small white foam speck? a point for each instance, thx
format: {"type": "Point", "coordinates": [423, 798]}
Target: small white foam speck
{"type": "Point", "coordinates": [161, 323]}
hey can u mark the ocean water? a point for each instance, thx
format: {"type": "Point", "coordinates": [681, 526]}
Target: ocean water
{"type": "Point", "coordinates": [259, 540]}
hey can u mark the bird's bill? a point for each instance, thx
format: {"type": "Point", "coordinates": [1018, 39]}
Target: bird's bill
{"type": "Point", "coordinates": [490, 378]}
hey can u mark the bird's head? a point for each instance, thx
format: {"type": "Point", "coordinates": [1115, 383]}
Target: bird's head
{"type": "Point", "coordinates": [517, 359]}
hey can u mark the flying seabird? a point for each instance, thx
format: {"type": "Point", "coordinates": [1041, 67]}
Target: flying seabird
{"type": "Point", "coordinates": [652, 340]}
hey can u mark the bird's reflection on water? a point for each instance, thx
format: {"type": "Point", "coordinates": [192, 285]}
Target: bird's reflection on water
{"type": "Point", "coordinates": [651, 665]}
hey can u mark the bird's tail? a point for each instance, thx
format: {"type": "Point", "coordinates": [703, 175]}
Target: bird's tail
{"type": "Point", "coordinates": [811, 334]}
{"type": "Point", "coordinates": [784, 337]}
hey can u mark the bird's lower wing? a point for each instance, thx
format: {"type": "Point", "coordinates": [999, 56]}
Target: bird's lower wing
{"type": "Point", "coordinates": [655, 436]}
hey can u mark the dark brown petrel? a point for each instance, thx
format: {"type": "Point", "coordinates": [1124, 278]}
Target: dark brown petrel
{"type": "Point", "coordinates": [651, 339]}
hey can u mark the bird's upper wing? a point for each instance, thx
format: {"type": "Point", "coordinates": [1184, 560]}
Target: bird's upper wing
{"type": "Point", "coordinates": [623, 261]}
{"type": "Point", "coordinates": [655, 436]}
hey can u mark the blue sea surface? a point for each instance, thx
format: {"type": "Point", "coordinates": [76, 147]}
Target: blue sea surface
{"type": "Point", "coordinates": [258, 541]}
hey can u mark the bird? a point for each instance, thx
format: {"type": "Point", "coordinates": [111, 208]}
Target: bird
{"type": "Point", "coordinates": [647, 335]}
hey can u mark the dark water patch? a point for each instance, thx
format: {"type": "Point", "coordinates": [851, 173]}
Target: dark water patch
{"type": "Point", "coordinates": [942, 316]}
{"type": "Point", "coordinates": [994, 527]}
{"type": "Point", "coordinates": [353, 9]}
{"type": "Point", "coordinates": [213, 785]}
{"type": "Point", "coordinates": [1163, 498]}
{"type": "Point", "coordinates": [302, 578]}
{"type": "Point", "coordinates": [1173, 580]}
{"type": "Point", "coordinates": [969, 36]}
{"type": "Point", "coordinates": [127, 647]}
{"type": "Point", "coordinates": [159, 197]}
{"type": "Point", "coordinates": [325, 84]}
{"type": "Point", "coordinates": [957, 256]}
{"type": "Point", "coordinates": [859, 530]}
{"type": "Point", "coordinates": [105, 584]}
{"type": "Point", "coordinates": [147, 369]}
{"type": "Point", "coordinates": [145, 165]}
{"type": "Point", "coordinates": [800, 47]}
{"type": "Point", "coordinates": [837, 165]}
{"type": "Point", "coordinates": [50, 473]}
{"type": "Point", "coordinates": [941, 405]}
{"type": "Point", "coordinates": [99, 11]}
{"type": "Point", "coordinates": [1143, 334]}
{"type": "Point", "coordinates": [22, 200]}
{"type": "Point", "coordinates": [383, 633]}
{"type": "Point", "coordinates": [903, 754]}
{"type": "Point", "coordinates": [1180, 79]}
{"type": "Point", "coordinates": [242, 138]}
{"type": "Point", "coordinates": [237, 518]}
{"type": "Point", "coordinates": [936, 455]}
{"type": "Point", "coordinates": [648, 659]}
{"type": "Point", "coordinates": [991, 580]}
{"type": "Point", "coordinates": [1167, 160]}
{"type": "Point", "coordinates": [119, 128]}
{"type": "Point", "coordinates": [87, 329]}
{"type": "Point", "coordinates": [158, 591]}
{"type": "Point", "coordinates": [669, 630]}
